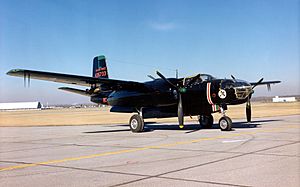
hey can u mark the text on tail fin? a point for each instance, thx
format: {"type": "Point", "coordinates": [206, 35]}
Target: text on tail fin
{"type": "Point", "coordinates": [99, 67]}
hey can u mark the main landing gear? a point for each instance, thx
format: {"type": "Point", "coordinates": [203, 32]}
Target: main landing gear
{"type": "Point", "coordinates": [206, 121]}
{"type": "Point", "coordinates": [136, 123]}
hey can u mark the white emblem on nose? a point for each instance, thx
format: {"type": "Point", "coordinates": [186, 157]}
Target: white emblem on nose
{"type": "Point", "coordinates": [222, 94]}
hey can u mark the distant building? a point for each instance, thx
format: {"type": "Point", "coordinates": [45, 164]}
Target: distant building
{"type": "Point", "coordinates": [20, 105]}
{"type": "Point", "coordinates": [278, 99]}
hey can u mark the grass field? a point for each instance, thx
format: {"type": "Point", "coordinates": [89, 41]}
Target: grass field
{"type": "Point", "coordinates": [99, 116]}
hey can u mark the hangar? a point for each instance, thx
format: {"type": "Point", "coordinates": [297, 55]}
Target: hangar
{"type": "Point", "coordinates": [278, 99]}
{"type": "Point", "coordinates": [20, 105]}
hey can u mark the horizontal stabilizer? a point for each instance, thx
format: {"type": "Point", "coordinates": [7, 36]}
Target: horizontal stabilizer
{"type": "Point", "coordinates": [77, 91]}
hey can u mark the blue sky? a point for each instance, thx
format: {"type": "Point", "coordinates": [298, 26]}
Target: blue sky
{"type": "Point", "coordinates": [249, 39]}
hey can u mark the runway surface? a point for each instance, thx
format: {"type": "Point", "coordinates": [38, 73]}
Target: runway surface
{"type": "Point", "coordinates": [263, 153]}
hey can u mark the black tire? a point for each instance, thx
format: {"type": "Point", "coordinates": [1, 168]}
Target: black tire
{"type": "Point", "coordinates": [225, 123]}
{"type": "Point", "coordinates": [206, 121]}
{"type": "Point", "coordinates": [136, 123]}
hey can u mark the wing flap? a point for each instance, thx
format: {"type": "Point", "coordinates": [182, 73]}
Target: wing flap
{"type": "Point", "coordinates": [74, 90]}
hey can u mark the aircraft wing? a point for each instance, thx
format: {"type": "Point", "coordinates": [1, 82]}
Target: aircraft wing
{"type": "Point", "coordinates": [268, 83]}
{"type": "Point", "coordinates": [75, 79]}
{"type": "Point", "coordinates": [265, 82]}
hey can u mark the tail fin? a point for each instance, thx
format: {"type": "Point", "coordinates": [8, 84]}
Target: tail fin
{"type": "Point", "coordinates": [99, 67]}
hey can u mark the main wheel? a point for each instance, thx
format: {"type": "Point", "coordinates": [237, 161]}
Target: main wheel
{"type": "Point", "coordinates": [136, 123]}
{"type": "Point", "coordinates": [206, 121]}
{"type": "Point", "coordinates": [225, 123]}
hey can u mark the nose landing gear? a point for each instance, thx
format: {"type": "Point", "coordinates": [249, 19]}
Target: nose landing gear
{"type": "Point", "coordinates": [225, 122]}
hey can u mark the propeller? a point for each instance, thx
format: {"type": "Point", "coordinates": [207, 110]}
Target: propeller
{"type": "Point", "coordinates": [179, 91]}
{"type": "Point", "coordinates": [180, 113]}
{"type": "Point", "coordinates": [269, 87]}
{"type": "Point", "coordinates": [248, 104]}
{"type": "Point", "coordinates": [26, 75]}
{"type": "Point", "coordinates": [248, 110]}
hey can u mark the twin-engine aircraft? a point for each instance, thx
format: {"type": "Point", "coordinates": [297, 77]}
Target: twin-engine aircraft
{"type": "Point", "coordinates": [199, 95]}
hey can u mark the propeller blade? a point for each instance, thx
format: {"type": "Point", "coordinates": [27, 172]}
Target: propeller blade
{"type": "Point", "coordinates": [269, 87]}
{"type": "Point", "coordinates": [151, 77]}
{"type": "Point", "coordinates": [24, 80]}
{"type": "Point", "coordinates": [233, 78]}
{"type": "Point", "coordinates": [180, 113]}
{"type": "Point", "coordinates": [258, 83]}
{"type": "Point", "coordinates": [165, 79]}
{"type": "Point", "coordinates": [248, 110]}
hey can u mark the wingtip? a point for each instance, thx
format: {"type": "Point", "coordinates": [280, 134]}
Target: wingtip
{"type": "Point", "coordinates": [13, 71]}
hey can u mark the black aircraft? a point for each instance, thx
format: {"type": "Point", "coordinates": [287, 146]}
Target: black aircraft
{"type": "Point", "coordinates": [199, 95]}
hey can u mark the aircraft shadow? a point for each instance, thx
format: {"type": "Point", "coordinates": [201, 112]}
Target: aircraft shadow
{"type": "Point", "coordinates": [152, 126]}
{"type": "Point", "coordinates": [107, 131]}
{"type": "Point", "coordinates": [116, 130]}
{"type": "Point", "coordinates": [197, 127]}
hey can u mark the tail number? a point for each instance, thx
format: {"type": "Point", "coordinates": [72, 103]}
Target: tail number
{"type": "Point", "coordinates": [101, 72]}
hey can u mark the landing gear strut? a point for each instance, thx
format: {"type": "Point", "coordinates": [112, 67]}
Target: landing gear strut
{"type": "Point", "coordinates": [225, 122]}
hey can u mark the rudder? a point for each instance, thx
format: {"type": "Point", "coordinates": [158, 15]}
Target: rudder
{"type": "Point", "coordinates": [99, 67]}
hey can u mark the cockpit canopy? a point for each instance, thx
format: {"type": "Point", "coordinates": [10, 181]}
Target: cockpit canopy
{"type": "Point", "coordinates": [206, 77]}
{"type": "Point", "coordinates": [229, 83]}
{"type": "Point", "coordinates": [197, 79]}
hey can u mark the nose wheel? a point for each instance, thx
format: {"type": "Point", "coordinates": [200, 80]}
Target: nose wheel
{"type": "Point", "coordinates": [225, 122]}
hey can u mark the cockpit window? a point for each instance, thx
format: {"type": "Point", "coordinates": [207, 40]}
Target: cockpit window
{"type": "Point", "coordinates": [206, 77]}
{"type": "Point", "coordinates": [197, 79]}
{"type": "Point", "coordinates": [227, 84]}
{"type": "Point", "coordinates": [241, 83]}
{"type": "Point", "coordinates": [192, 80]}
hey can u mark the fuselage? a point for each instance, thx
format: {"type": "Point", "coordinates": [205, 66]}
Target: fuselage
{"type": "Point", "coordinates": [199, 96]}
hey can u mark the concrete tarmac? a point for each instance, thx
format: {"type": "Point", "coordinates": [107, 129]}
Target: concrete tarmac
{"type": "Point", "coordinates": [263, 153]}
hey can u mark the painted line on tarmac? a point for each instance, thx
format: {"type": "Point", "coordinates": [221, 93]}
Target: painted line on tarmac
{"type": "Point", "coordinates": [22, 166]}
{"type": "Point", "coordinates": [234, 141]}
